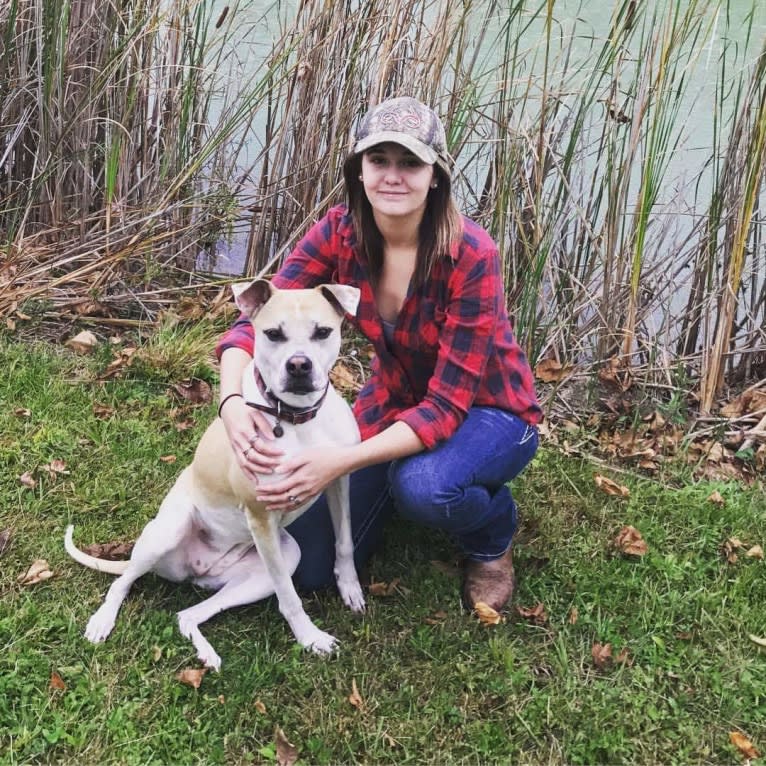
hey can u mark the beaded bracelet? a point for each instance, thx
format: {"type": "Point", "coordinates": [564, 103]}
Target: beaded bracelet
{"type": "Point", "coordinates": [226, 399]}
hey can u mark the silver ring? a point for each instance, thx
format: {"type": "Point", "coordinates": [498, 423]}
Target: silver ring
{"type": "Point", "coordinates": [245, 451]}
{"type": "Point", "coordinates": [254, 439]}
{"type": "Point", "coordinates": [293, 499]}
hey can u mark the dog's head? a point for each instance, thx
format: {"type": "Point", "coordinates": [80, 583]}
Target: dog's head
{"type": "Point", "coordinates": [297, 335]}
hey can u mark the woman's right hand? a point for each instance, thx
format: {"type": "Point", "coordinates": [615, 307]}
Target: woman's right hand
{"type": "Point", "coordinates": [251, 437]}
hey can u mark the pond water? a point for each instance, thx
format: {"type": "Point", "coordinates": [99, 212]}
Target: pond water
{"type": "Point", "coordinates": [260, 22]}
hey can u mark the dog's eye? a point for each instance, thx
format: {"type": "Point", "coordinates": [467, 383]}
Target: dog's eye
{"type": "Point", "coordinates": [320, 333]}
{"type": "Point", "coordinates": [275, 334]}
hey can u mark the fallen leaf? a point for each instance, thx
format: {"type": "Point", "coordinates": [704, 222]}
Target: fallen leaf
{"type": "Point", "coordinates": [757, 640]}
{"type": "Point", "coordinates": [192, 676]}
{"type": "Point", "coordinates": [552, 371]}
{"type": "Point", "coordinates": [27, 480]}
{"type": "Point", "coordinates": [623, 657]}
{"type": "Point", "coordinates": [756, 552]}
{"type": "Point", "coordinates": [355, 698]}
{"type": "Point", "coordinates": [55, 467]}
{"type": "Point", "coordinates": [57, 682]}
{"type": "Point", "coordinates": [535, 614]}
{"type": "Point", "coordinates": [744, 745]}
{"type": "Point", "coordinates": [83, 343]}
{"type": "Point", "coordinates": [22, 412]}
{"type": "Point", "coordinates": [611, 487]}
{"type": "Point", "coordinates": [184, 425]}
{"type": "Point", "coordinates": [37, 572]}
{"type": "Point", "coordinates": [573, 616]}
{"type": "Point", "coordinates": [156, 653]}
{"type": "Point", "coordinates": [729, 548]}
{"type": "Point", "coordinates": [260, 707]}
{"type": "Point", "coordinates": [717, 498]}
{"type": "Point", "coordinates": [168, 459]}
{"type": "Point", "coordinates": [343, 379]}
{"type": "Point", "coordinates": [221, 699]}
{"type": "Point", "coordinates": [383, 588]}
{"type": "Point", "coordinates": [616, 374]}
{"type": "Point", "coordinates": [114, 551]}
{"type": "Point", "coordinates": [630, 542]}
{"type": "Point", "coordinates": [5, 539]}
{"type": "Point", "coordinates": [486, 614]}
{"type": "Point", "coordinates": [102, 411]}
{"type": "Point", "coordinates": [437, 618]}
{"type": "Point", "coordinates": [287, 754]}
{"type": "Point", "coordinates": [194, 390]}
{"type": "Point", "coordinates": [602, 654]}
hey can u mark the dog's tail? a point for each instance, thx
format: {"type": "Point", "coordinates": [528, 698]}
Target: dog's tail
{"type": "Point", "coordinates": [100, 565]}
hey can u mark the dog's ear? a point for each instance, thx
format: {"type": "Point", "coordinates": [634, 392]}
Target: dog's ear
{"type": "Point", "coordinates": [344, 298]}
{"type": "Point", "coordinates": [251, 296]}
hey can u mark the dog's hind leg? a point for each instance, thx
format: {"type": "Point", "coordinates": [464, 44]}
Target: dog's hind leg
{"type": "Point", "coordinates": [345, 571]}
{"type": "Point", "coordinates": [159, 538]}
{"type": "Point", "coordinates": [246, 582]}
{"type": "Point", "coordinates": [266, 534]}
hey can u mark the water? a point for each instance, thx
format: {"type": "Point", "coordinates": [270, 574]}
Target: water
{"type": "Point", "coordinates": [260, 22]}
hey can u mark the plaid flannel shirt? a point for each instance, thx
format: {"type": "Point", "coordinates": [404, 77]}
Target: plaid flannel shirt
{"type": "Point", "coordinates": [453, 345]}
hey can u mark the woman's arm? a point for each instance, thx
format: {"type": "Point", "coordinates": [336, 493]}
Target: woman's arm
{"type": "Point", "coordinates": [309, 472]}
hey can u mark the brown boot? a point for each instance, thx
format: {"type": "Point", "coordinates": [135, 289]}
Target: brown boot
{"type": "Point", "coordinates": [489, 581]}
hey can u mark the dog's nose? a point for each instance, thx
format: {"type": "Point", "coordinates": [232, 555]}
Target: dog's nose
{"type": "Point", "coordinates": [299, 366]}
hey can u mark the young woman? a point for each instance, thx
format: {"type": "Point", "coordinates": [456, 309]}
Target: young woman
{"type": "Point", "coordinates": [448, 415]}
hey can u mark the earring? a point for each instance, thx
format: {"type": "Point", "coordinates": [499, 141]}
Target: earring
{"type": "Point", "coordinates": [434, 184]}
{"type": "Point", "coordinates": [360, 177]}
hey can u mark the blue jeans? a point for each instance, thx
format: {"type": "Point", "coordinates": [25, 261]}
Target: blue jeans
{"type": "Point", "coordinates": [460, 486]}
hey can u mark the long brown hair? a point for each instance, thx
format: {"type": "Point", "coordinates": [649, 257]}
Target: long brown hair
{"type": "Point", "coordinates": [442, 224]}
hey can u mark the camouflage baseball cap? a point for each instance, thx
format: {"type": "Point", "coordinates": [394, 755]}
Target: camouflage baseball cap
{"type": "Point", "coordinates": [409, 123]}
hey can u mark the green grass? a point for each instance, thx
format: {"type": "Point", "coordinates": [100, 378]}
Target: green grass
{"type": "Point", "coordinates": [450, 692]}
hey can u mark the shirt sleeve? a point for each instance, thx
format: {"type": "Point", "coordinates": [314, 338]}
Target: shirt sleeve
{"type": "Point", "coordinates": [311, 263]}
{"type": "Point", "coordinates": [473, 309]}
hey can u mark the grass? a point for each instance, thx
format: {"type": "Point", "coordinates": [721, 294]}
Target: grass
{"type": "Point", "coordinates": [436, 686]}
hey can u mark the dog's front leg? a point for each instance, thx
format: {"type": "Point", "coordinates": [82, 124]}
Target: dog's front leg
{"type": "Point", "coordinates": [265, 529]}
{"type": "Point", "coordinates": [345, 571]}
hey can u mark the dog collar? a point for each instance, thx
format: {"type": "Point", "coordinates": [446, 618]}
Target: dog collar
{"type": "Point", "coordinates": [282, 411]}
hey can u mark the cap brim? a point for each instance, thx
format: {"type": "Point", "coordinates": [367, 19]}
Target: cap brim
{"type": "Point", "coordinates": [418, 148]}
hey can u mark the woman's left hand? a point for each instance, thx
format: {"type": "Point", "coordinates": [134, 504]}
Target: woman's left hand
{"type": "Point", "coordinates": [306, 475]}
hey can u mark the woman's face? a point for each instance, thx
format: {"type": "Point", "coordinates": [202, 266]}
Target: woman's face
{"type": "Point", "coordinates": [395, 181]}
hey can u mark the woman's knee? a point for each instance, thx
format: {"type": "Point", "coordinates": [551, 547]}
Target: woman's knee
{"type": "Point", "coordinates": [421, 493]}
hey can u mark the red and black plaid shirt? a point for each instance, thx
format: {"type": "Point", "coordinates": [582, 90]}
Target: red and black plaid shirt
{"type": "Point", "coordinates": [453, 346]}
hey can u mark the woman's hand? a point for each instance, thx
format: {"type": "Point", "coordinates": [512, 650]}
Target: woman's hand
{"type": "Point", "coordinates": [307, 475]}
{"type": "Point", "coordinates": [251, 438]}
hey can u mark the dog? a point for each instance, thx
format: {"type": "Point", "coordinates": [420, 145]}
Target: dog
{"type": "Point", "coordinates": [210, 529]}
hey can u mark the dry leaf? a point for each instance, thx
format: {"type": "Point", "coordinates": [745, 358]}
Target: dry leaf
{"type": "Point", "coordinates": [260, 707]}
{"type": "Point", "coordinates": [55, 467]}
{"type": "Point", "coordinates": [57, 682]}
{"type": "Point", "coordinates": [616, 375]}
{"type": "Point", "coordinates": [22, 412]}
{"type": "Point", "coordinates": [630, 542]}
{"type": "Point", "coordinates": [383, 588]}
{"type": "Point", "coordinates": [757, 640]}
{"type": "Point", "coordinates": [194, 390]}
{"type": "Point", "coordinates": [486, 614]}
{"type": "Point", "coordinates": [102, 411]}
{"type": "Point", "coordinates": [191, 676]}
{"type": "Point", "coordinates": [27, 480]}
{"type": "Point", "coordinates": [37, 572]}
{"type": "Point", "coordinates": [744, 745]}
{"type": "Point", "coordinates": [83, 343]}
{"type": "Point", "coordinates": [551, 371]}
{"type": "Point", "coordinates": [156, 653]}
{"type": "Point", "coordinates": [573, 616]}
{"type": "Point", "coordinates": [114, 551]}
{"type": "Point", "coordinates": [730, 547]}
{"type": "Point", "coordinates": [622, 658]}
{"type": "Point", "coordinates": [168, 459]}
{"type": "Point", "coordinates": [287, 754]}
{"type": "Point", "coordinates": [184, 425]}
{"type": "Point", "coordinates": [611, 487]}
{"type": "Point", "coordinates": [535, 614]}
{"type": "Point", "coordinates": [5, 539]}
{"type": "Point", "coordinates": [717, 498]}
{"type": "Point", "coordinates": [756, 552]}
{"type": "Point", "coordinates": [437, 618]}
{"type": "Point", "coordinates": [602, 654]}
{"type": "Point", "coordinates": [343, 379]}
{"type": "Point", "coordinates": [355, 698]}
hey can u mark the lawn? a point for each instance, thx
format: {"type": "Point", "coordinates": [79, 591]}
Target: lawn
{"type": "Point", "coordinates": [416, 679]}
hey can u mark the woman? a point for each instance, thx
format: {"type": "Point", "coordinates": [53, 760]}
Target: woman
{"type": "Point", "coordinates": [448, 415]}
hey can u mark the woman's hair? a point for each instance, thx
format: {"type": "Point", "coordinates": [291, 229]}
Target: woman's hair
{"type": "Point", "coordinates": [442, 224]}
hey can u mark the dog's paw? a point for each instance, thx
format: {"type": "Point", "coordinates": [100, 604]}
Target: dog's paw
{"type": "Point", "coordinates": [352, 595]}
{"type": "Point", "coordinates": [319, 642]}
{"type": "Point", "coordinates": [100, 625]}
{"type": "Point", "coordinates": [189, 627]}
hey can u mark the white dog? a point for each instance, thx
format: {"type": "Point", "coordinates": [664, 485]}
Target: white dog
{"type": "Point", "coordinates": [207, 524]}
